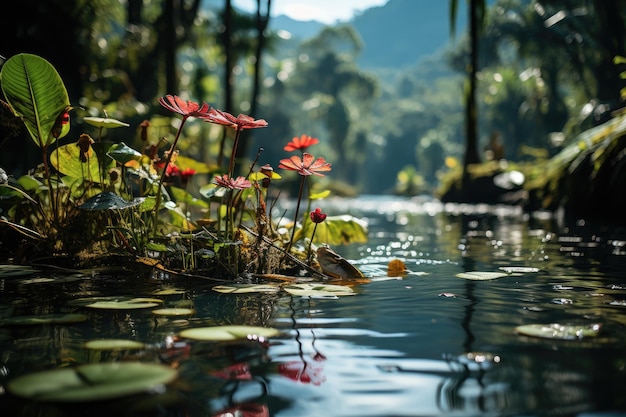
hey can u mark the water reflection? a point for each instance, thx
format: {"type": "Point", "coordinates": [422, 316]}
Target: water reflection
{"type": "Point", "coordinates": [427, 344]}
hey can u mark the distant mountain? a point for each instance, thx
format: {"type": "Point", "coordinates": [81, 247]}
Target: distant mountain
{"type": "Point", "coordinates": [298, 29]}
{"type": "Point", "coordinates": [402, 32]}
{"type": "Point", "coordinates": [395, 35]}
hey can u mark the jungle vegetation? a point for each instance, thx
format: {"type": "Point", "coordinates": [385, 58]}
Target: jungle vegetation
{"type": "Point", "coordinates": [546, 74]}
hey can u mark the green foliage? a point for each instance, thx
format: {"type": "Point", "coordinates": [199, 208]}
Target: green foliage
{"type": "Point", "coordinates": [37, 95]}
{"type": "Point", "coordinates": [103, 196]}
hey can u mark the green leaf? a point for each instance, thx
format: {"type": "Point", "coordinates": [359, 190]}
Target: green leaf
{"type": "Point", "coordinates": [229, 333]}
{"type": "Point", "coordinates": [481, 275]}
{"type": "Point", "coordinates": [109, 201]}
{"type": "Point", "coordinates": [183, 197]}
{"type": "Point", "coordinates": [92, 382]}
{"type": "Point", "coordinates": [246, 288]}
{"type": "Point", "coordinates": [174, 311]}
{"type": "Point", "coordinates": [47, 319]}
{"type": "Point", "coordinates": [335, 230]}
{"type": "Point", "coordinates": [7, 271]}
{"type": "Point", "coordinates": [36, 93]}
{"type": "Point", "coordinates": [318, 290]}
{"type": "Point", "coordinates": [114, 344]}
{"type": "Point", "coordinates": [184, 162]}
{"type": "Point", "coordinates": [66, 159]}
{"type": "Point", "coordinates": [123, 153]}
{"type": "Point", "coordinates": [117, 303]}
{"type": "Point", "coordinates": [559, 331]}
{"type": "Point", "coordinates": [104, 122]}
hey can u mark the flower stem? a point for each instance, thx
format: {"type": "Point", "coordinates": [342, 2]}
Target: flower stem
{"type": "Point", "coordinates": [295, 218]}
{"type": "Point", "coordinates": [308, 254]}
{"type": "Point", "coordinates": [162, 178]}
{"type": "Point", "coordinates": [231, 163]}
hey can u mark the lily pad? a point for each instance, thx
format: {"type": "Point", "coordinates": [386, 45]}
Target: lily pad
{"type": "Point", "coordinates": [47, 319]}
{"type": "Point", "coordinates": [559, 331]}
{"type": "Point", "coordinates": [92, 382]}
{"type": "Point", "coordinates": [117, 303]}
{"type": "Point", "coordinates": [519, 269]}
{"type": "Point", "coordinates": [229, 333]}
{"type": "Point", "coordinates": [173, 311]}
{"type": "Point", "coordinates": [105, 122]}
{"type": "Point", "coordinates": [169, 291]}
{"type": "Point", "coordinates": [113, 344]}
{"type": "Point", "coordinates": [318, 290]}
{"type": "Point", "coordinates": [246, 288]}
{"type": "Point", "coordinates": [7, 271]}
{"type": "Point", "coordinates": [481, 275]}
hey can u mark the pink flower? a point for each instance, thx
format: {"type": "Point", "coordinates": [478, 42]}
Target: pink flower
{"type": "Point", "coordinates": [301, 143]}
{"type": "Point", "coordinates": [184, 108]}
{"type": "Point", "coordinates": [240, 183]}
{"type": "Point", "coordinates": [241, 122]}
{"type": "Point", "coordinates": [307, 165]}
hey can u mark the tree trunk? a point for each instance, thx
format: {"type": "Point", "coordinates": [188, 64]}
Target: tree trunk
{"type": "Point", "coordinates": [471, 110]}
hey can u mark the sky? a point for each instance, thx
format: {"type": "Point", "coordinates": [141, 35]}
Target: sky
{"type": "Point", "coordinates": [325, 11]}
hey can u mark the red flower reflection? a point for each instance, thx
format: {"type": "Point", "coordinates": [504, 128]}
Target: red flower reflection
{"type": "Point", "coordinates": [307, 165]}
{"type": "Point", "coordinates": [301, 371]}
{"type": "Point", "coordinates": [240, 183]}
{"type": "Point", "coordinates": [245, 410]}
{"type": "Point", "coordinates": [239, 371]}
{"type": "Point", "coordinates": [301, 143]}
{"type": "Point", "coordinates": [241, 122]}
{"type": "Point", "coordinates": [317, 216]}
{"type": "Point", "coordinates": [184, 108]}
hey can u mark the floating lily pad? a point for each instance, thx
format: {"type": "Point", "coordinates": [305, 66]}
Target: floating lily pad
{"type": "Point", "coordinates": [559, 331]}
{"type": "Point", "coordinates": [229, 333]}
{"type": "Point", "coordinates": [519, 269]}
{"type": "Point", "coordinates": [169, 291]}
{"type": "Point", "coordinates": [174, 311]}
{"type": "Point", "coordinates": [481, 275]}
{"type": "Point", "coordinates": [318, 290]}
{"type": "Point", "coordinates": [246, 288]}
{"type": "Point", "coordinates": [114, 344]}
{"type": "Point", "coordinates": [47, 319]}
{"type": "Point", "coordinates": [7, 271]}
{"type": "Point", "coordinates": [117, 303]}
{"type": "Point", "coordinates": [92, 382]}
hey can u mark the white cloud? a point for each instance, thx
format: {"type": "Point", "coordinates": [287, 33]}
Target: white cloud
{"type": "Point", "coordinates": [326, 11]}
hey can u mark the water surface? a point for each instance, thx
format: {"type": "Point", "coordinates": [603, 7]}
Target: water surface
{"type": "Point", "coordinates": [429, 343]}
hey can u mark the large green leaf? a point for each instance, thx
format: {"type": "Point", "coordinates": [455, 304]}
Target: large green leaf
{"type": "Point", "coordinates": [92, 382]}
{"type": "Point", "coordinates": [66, 159]}
{"type": "Point", "coordinates": [36, 93]}
{"type": "Point", "coordinates": [336, 230]}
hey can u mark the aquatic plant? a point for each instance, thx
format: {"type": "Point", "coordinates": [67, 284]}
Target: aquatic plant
{"type": "Point", "coordinates": [93, 198]}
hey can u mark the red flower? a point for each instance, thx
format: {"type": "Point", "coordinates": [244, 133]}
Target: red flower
{"type": "Point", "coordinates": [307, 165]}
{"type": "Point", "coordinates": [241, 122]}
{"type": "Point", "coordinates": [301, 143]}
{"type": "Point", "coordinates": [317, 216]}
{"type": "Point", "coordinates": [172, 170]}
{"type": "Point", "coordinates": [240, 183]}
{"type": "Point", "coordinates": [301, 371]}
{"type": "Point", "coordinates": [184, 108]}
{"type": "Point", "coordinates": [186, 174]}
